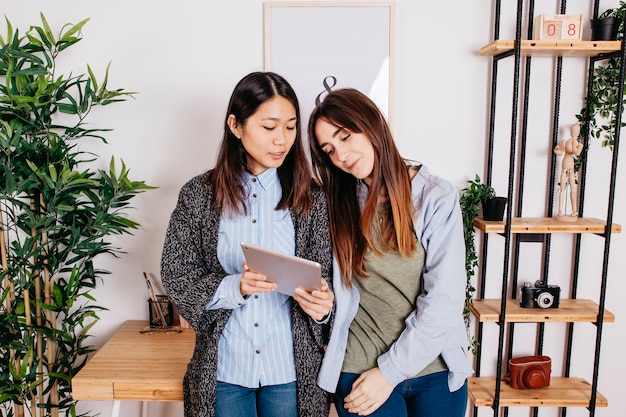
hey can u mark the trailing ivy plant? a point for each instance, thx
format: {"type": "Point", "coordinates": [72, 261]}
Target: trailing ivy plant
{"type": "Point", "coordinates": [56, 212]}
{"type": "Point", "coordinates": [597, 117]}
{"type": "Point", "coordinates": [471, 199]}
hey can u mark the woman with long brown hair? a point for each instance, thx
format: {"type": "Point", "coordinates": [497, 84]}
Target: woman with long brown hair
{"type": "Point", "coordinates": [398, 338]}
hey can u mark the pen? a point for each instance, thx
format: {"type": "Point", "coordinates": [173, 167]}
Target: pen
{"type": "Point", "coordinates": [154, 300]}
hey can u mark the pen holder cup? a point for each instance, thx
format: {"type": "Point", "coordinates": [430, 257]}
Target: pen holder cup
{"type": "Point", "coordinates": [161, 311]}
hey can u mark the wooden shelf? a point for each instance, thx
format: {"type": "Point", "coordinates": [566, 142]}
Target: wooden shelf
{"type": "Point", "coordinates": [578, 310]}
{"type": "Point", "coordinates": [547, 225]}
{"type": "Point", "coordinates": [552, 48]}
{"type": "Point", "coordinates": [562, 392]}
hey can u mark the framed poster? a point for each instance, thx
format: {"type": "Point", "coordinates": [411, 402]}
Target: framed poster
{"type": "Point", "coordinates": [319, 46]}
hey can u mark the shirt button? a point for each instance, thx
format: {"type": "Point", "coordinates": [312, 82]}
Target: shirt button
{"type": "Point", "coordinates": [256, 295]}
{"type": "Point", "coordinates": [258, 351]}
{"type": "Point", "coordinates": [254, 195]}
{"type": "Point", "coordinates": [253, 179]}
{"type": "Point", "coordinates": [253, 221]}
{"type": "Point", "coordinates": [256, 324]}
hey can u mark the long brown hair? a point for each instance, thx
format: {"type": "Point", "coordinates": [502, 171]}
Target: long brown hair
{"type": "Point", "coordinates": [232, 160]}
{"type": "Point", "coordinates": [350, 230]}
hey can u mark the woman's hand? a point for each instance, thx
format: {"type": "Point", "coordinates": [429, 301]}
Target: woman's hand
{"type": "Point", "coordinates": [252, 282]}
{"type": "Point", "coordinates": [369, 392]}
{"type": "Point", "coordinates": [316, 303]}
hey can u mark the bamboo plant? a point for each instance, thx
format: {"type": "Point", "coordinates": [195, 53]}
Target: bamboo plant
{"type": "Point", "coordinates": [56, 212]}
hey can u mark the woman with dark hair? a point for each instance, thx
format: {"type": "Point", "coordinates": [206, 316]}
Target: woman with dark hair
{"type": "Point", "coordinates": [398, 338]}
{"type": "Point", "coordinates": [257, 351]}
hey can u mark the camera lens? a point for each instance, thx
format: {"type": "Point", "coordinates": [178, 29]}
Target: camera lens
{"type": "Point", "coordinates": [535, 377]}
{"type": "Point", "coordinates": [545, 300]}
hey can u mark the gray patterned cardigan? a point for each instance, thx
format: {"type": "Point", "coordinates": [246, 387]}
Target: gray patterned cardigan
{"type": "Point", "coordinates": [191, 273]}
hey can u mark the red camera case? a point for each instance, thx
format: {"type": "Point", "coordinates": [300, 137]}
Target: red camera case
{"type": "Point", "coordinates": [530, 372]}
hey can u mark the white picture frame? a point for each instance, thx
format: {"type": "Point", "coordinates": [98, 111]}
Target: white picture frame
{"type": "Point", "coordinates": [322, 45]}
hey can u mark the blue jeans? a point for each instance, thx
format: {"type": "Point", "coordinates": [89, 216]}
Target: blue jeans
{"type": "Point", "coordinates": [268, 401]}
{"type": "Point", "coordinates": [426, 396]}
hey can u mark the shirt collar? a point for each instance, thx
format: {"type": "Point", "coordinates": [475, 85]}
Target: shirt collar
{"type": "Point", "coordinates": [266, 179]}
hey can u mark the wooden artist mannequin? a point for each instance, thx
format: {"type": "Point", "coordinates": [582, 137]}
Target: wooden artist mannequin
{"type": "Point", "coordinates": [569, 148]}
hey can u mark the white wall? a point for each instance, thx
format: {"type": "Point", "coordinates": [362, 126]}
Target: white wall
{"type": "Point", "coordinates": [184, 59]}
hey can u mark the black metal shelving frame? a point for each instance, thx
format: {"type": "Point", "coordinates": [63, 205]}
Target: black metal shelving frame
{"type": "Point", "coordinates": [517, 159]}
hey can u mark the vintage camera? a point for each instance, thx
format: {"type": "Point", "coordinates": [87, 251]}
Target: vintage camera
{"type": "Point", "coordinates": [539, 295]}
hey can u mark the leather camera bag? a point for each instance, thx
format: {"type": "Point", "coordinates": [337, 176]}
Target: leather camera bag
{"type": "Point", "coordinates": [530, 372]}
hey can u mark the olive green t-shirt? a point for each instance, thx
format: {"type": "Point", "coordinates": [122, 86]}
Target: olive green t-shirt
{"type": "Point", "coordinates": [388, 297]}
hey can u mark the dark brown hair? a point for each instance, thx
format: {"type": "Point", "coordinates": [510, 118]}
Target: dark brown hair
{"type": "Point", "coordinates": [232, 160]}
{"type": "Point", "coordinates": [350, 230]}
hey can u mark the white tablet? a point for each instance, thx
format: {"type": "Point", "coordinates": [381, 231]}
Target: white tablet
{"type": "Point", "coordinates": [287, 271]}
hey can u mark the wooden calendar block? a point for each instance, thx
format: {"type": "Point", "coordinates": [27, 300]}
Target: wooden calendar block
{"type": "Point", "coordinates": [558, 26]}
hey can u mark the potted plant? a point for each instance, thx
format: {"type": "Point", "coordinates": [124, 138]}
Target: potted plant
{"type": "Point", "coordinates": [479, 195]}
{"type": "Point", "coordinates": [597, 117]}
{"type": "Point", "coordinates": [56, 212]}
{"type": "Point", "coordinates": [607, 25]}
{"type": "Point", "coordinates": [475, 196]}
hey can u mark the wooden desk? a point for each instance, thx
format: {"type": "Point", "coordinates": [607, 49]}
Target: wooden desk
{"type": "Point", "coordinates": [137, 367]}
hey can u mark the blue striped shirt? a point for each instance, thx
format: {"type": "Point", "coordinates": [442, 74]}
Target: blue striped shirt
{"type": "Point", "coordinates": [256, 346]}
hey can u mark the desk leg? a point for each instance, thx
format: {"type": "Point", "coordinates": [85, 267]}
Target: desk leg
{"type": "Point", "coordinates": [144, 408]}
{"type": "Point", "coordinates": [116, 408]}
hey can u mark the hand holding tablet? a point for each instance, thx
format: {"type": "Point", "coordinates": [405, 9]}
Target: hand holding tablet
{"type": "Point", "coordinates": [288, 272]}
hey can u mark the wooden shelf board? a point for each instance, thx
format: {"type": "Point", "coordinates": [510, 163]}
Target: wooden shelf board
{"type": "Point", "coordinates": [562, 392]}
{"type": "Point", "coordinates": [546, 225]}
{"type": "Point", "coordinates": [578, 310]}
{"type": "Point", "coordinates": [552, 47]}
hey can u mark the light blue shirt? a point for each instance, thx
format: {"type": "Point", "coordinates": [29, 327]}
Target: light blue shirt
{"type": "Point", "coordinates": [256, 346]}
{"type": "Point", "coordinates": [436, 326]}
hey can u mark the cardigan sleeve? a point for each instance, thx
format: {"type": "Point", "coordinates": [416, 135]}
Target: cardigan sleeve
{"type": "Point", "coordinates": [190, 271]}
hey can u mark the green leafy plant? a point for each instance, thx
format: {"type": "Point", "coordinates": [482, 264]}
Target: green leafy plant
{"type": "Point", "coordinates": [471, 199]}
{"type": "Point", "coordinates": [55, 215]}
{"type": "Point", "coordinates": [597, 117]}
{"type": "Point", "coordinates": [617, 12]}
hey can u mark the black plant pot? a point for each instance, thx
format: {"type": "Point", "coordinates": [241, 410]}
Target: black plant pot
{"type": "Point", "coordinates": [604, 29]}
{"type": "Point", "coordinates": [493, 210]}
